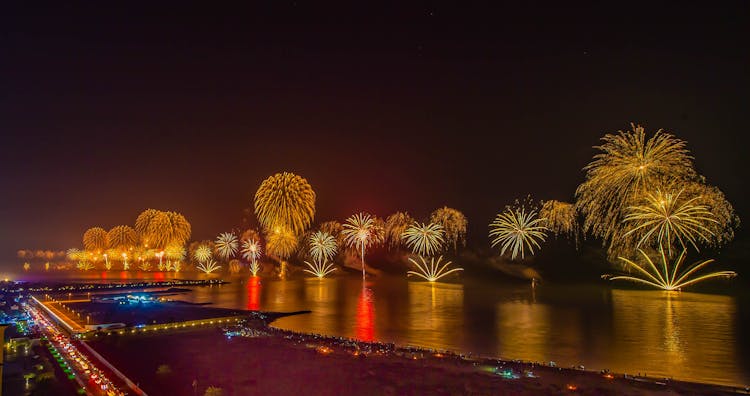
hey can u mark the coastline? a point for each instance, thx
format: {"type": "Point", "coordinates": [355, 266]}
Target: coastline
{"type": "Point", "coordinates": [258, 358]}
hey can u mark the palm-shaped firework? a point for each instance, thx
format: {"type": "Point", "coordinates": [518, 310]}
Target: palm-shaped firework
{"type": "Point", "coordinates": [226, 245]}
{"type": "Point", "coordinates": [424, 239]}
{"type": "Point", "coordinates": [516, 229]}
{"type": "Point", "coordinates": [251, 251]}
{"type": "Point", "coordinates": [361, 231]}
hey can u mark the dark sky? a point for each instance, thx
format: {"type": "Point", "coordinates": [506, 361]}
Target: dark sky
{"type": "Point", "coordinates": [107, 111]}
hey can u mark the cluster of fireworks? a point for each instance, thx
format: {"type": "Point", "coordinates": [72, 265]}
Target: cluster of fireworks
{"type": "Point", "coordinates": [640, 194]}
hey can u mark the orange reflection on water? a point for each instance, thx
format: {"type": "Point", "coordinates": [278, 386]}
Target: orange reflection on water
{"type": "Point", "coordinates": [253, 293]}
{"type": "Point", "coordinates": [365, 319]}
{"type": "Point", "coordinates": [436, 314]}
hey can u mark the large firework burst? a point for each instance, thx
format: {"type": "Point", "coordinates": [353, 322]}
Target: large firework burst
{"type": "Point", "coordinates": [433, 270]}
{"type": "Point", "coordinates": [285, 200]}
{"type": "Point", "coordinates": [281, 242]}
{"type": "Point", "coordinates": [226, 245]}
{"type": "Point", "coordinates": [454, 224]}
{"type": "Point", "coordinates": [665, 278]}
{"type": "Point", "coordinates": [361, 230]}
{"type": "Point", "coordinates": [142, 223]}
{"type": "Point", "coordinates": [665, 216]}
{"type": "Point", "coordinates": [627, 166]}
{"type": "Point", "coordinates": [95, 239]}
{"type": "Point", "coordinates": [166, 228]}
{"type": "Point", "coordinates": [122, 237]}
{"type": "Point", "coordinates": [322, 246]}
{"type": "Point", "coordinates": [202, 254]}
{"type": "Point", "coordinates": [560, 218]}
{"type": "Point", "coordinates": [395, 225]}
{"type": "Point", "coordinates": [424, 239]}
{"type": "Point", "coordinates": [516, 229]}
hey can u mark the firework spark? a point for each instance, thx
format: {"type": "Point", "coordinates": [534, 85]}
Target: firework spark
{"type": "Point", "coordinates": [202, 254]}
{"type": "Point", "coordinates": [665, 217]}
{"type": "Point", "coordinates": [208, 266]}
{"type": "Point", "coordinates": [226, 245]}
{"type": "Point", "coordinates": [517, 229]}
{"type": "Point", "coordinates": [395, 225]}
{"type": "Point", "coordinates": [251, 251]}
{"type": "Point", "coordinates": [84, 266]}
{"type": "Point", "coordinates": [424, 239]}
{"type": "Point", "coordinates": [360, 230]}
{"type": "Point", "coordinates": [627, 166]}
{"type": "Point", "coordinates": [454, 224]}
{"type": "Point", "coordinates": [322, 246]}
{"type": "Point", "coordinates": [433, 270]}
{"type": "Point", "coordinates": [665, 278]}
{"type": "Point", "coordinates": [285, 200]}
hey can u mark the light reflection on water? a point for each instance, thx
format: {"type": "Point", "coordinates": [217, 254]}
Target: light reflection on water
{"type": "Point", "coordinates": [688, 336]}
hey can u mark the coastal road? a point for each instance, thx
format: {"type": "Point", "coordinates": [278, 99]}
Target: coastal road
{"type": "Point", "coordinates": [89, 371]}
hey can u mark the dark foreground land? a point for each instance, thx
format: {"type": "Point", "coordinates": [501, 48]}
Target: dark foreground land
{"type": "Point", "coordinates": [274, 362]}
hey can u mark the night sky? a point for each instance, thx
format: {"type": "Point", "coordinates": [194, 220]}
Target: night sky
{"type": "Point", "coordinates": [106, 112]}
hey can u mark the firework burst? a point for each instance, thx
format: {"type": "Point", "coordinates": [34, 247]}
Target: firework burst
{"type": "Point", "coordinates": [424, 239]}
{"type": "Point", "coordinates": [122, 237]}
{"type": "Point", "coordinates": [395, 226]}
{"type": "Point", "coordinates": [166, 228]}
{"type": "Point", "coordinates": [665, 278]}
{"type": "Point", "coordinates": [95, 239]}
{"type": "Point", "coordinates": [516, 229]}
{"type": "Point", "coordinates": [84, 266]}
{"type": "Point", "coordinates": [454, 224]}
{"type": "Point", "coordinates": [251, 251]}
{"type": "Point", "coordinates": [665, 217]}
{"type": "Point", "coordinates": [281, 242]}
{"type": "Point", "coordinates": [361, 230]}
{"type": "Point", "coordinates": [619, 175]}
{"type": "Point", "coordinates": [560, 218]}
{"type": "Point", "coordinates": [285, 200]}
{"type": "Point", "coordinates": [322, 246]}
{"type": "Point", "coordinates": [319, 269]}
{"type": "Point", "coordinates": [226, 245]}
{"type": "Point", "coordinates": [208, 266]}
{"type": "Point", "coordinates": [202, 254]}
{"type": "Point", "coordinates": [432, 271]}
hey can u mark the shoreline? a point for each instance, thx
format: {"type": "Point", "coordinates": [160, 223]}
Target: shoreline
{"type": "Point", "coordinates": [518, 367]}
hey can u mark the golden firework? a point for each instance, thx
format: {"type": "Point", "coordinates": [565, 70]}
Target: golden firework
{"type": "Point", "coordinates": [226, 245]}
{"type": "Point", "coordinates": [281, 242]}
{"type": "Point", "coordinates": [424, 239]}
{"type": "Point", "coordinates": [665, 217]}
{"type": "Point", "coordinates": [628, 166]}
{"type": "Point", "coordinates": [666, 278]}
{"type": "Point", "coordinates": [433, 270]}
{"type": "Point", "coordinates": [516, 229]}
{"type": "Point", "coordinates": [395, 225]}
{"type": "Point", "coordinates": [361, 230]}
{"type": "Point", "coordinates": [285, 200]}
{"type": "Point", "coordinates": [95, 239]}
{"type": "Point", "coordinates": [319, 269]}
{"type": "Point", "coordinates": [454, 224]}
{"type": "Point", "coordinates": [202, 254]}
{"type": "Point", "coordinates": [142, 223]}
{"type": "Point", "coordinates": [560, 217]}
{"type": "Point", "coordinates": [208, 266]}
{"type": "Point", "coordinates": [251, 250]}
{"type": "Point", "coordinates": [322, 246]}
{"type": "Point", "coordinates": [122, 237]}
{"type": "Point", "coordinates": [167, 228]}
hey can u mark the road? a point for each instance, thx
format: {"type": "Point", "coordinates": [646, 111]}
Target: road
{"type": "Point", "coordinates": [91, 374]}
